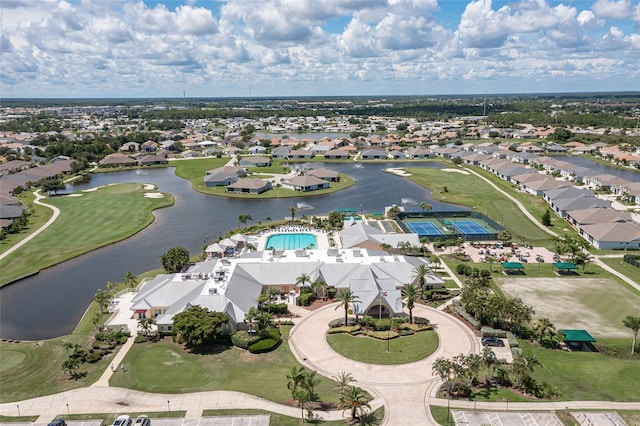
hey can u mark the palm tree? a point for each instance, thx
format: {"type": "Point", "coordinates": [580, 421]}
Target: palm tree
{"type": "Point", "coordinates": [435, 260]}
{"type": "Point", "coordinates": [346, 297]}
{"type": "Point", "coordinates": [145, 324]}
{"type": "Point", "coordinates": [634, 324]}
{"type": "Point", "coordinates": [343, 381]}
{"type": "Point", "coordinates": [425, 206]}
{"type": "Point", "coordinates": [393, 212]}
{"type": "Point", "coordinates": [130, 280]}
{"type": "Point", "coordinates": [296, 379]}
{"type": "Point", "coordinates": [412, 294]}
{"type": "Point", "coordinates": [303, 279]}
{"type": "Point", "coordinates": [543, 328]}
{"type": "Point", "coordinates": [522, 367]}
{"type": "Point", "coordinates": [318, 285]}
{"type": "Point", "coordinates": [355, 400]}
{"type": "Point", "coordinates": [102, 298]}
{"type": "Point", "coordinates": [419, 273]}
{"type": "Point", "coordinates": [489, 361]}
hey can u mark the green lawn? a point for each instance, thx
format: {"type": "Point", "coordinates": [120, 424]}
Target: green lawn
{"type": "Point", "coordinates": [123, 211]}
{"type": "Point", "coordinates": [402, 350]}
{"type": "Point", "coordinates": [621, 266]}
{"type": "Point", "coordinates": [470, 191]}
{"type": "Point", "coordinates": [28, 370]}
{"type": "Point", "coordinates": [39, 215]}
{"type": "Point", "coordinates": [195, 170]}
{"type": "Point", "coordinates": [165, 367]}
{"type": "Point", "coordinates": [587, 376]}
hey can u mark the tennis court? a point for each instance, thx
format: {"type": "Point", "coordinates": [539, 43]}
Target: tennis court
{"type": "Point", "coordinates": [428, 229]}
{"type": "Point", "coordinates": [450, 226]}
{"type": "Point", "coordinates": [468, 227]}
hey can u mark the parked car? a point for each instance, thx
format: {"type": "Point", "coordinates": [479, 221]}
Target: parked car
{"type": "Point", "coordinates": [142, 421]}
{"type": "Point", "coordinates": [123, 420]}
{"type": "Point", "coordinates": [57, 422]}
{"type": "Point", "coordinates": [540, 259]}
{"type": "Point", "coordinates": [492, 341]}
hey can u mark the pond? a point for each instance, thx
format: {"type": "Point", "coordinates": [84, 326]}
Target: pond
{"type": "Point", "coordinates": [51, 303]}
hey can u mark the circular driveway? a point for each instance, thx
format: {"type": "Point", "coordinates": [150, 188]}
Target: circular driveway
{"type": "Point", "coordinates": [309, 345]}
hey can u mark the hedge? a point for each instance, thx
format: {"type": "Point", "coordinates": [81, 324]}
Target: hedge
{"type": "Point", "coordinates": [421, 320]}
{"type": "Point", "coordinates": [405, 332]}
{"type": "Point", "coordinates": [470, 319]}
{"type": "Point", "coordinates": [493, 332]}
{"type": "Point", "coordinates": [243, 340]}
{"type": "Point", "coordinates": [338, 322]}
{"type": "Point", "coordinates": [265, 345]}
{"type": "Point", "coordinates": [383, 335]}
{"type": "Point", "coordinates": [415, 327]}
{"type": "Point", "coordinates": [343, 329]}
{"type": "Point", "coordinates": [274, 308]}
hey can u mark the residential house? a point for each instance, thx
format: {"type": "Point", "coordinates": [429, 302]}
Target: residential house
{"type": "Point", "coordinates": [255, 161]}
{"type": "Point", "coordinates": [305, 183]}
{"type": "Point", "coordinates": [373, 154]}
{"type": "Point", "coordinates": [117, 159]}
{"type": "Point", "coordinates": [249, 186]}
{"type": "Point", "coordinates": [148, 160]}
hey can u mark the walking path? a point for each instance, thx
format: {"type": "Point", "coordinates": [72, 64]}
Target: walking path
{"type": "Point", "coordinates": [56, 213]}
{"type": "Point", "coordinates": [597, 261]}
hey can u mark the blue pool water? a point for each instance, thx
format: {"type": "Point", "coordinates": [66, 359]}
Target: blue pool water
{"type": "Point", "coordinates": [291, 241]}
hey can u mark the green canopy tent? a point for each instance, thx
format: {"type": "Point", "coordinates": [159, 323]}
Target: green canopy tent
{"type": "Point", "coordinates": [565, 266]}
{"type": "Point", "coordinates": [512, 267]}
{"type": "Point", "coordinates": [578, 339]}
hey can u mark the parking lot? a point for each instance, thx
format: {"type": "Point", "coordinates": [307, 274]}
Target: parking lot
{"type": "Point", "coordinates": [258, 420]}
{"type": "Point", "coordinates": [503, 353]}
{"type": "Point", "coordinates": [480, 418]}
{"type": "Point", "coordinates": [479, 252]}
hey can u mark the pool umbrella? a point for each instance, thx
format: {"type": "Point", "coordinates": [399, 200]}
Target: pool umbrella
{"type": "Point", "coordinates": [215, 248]}
{"type": "Point", "coordinates": [226, 243]}
{"type": "Point", "coordinates": [238, 238]}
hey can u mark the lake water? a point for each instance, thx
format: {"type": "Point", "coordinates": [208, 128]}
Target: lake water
{"type": "Point", "coordinates": [624, 173]}
{"type": "Point", "coordinates": [51, 303]}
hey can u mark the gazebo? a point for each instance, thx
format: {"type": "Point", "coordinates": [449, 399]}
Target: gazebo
{"type": "Point", "coordinates": [565, 267]}
{"type": "Point", "coordinates": [577, 339]}
{"type": "Point", "coordinates": [512, 267]}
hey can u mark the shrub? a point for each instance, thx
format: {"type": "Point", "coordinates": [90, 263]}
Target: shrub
{"type": "Point", "coordinates": [101, 337]}
{"type": "Point", "coordinates": [356, 332]}
{"type": "Point", "coordinates": [383, 335]}
{"type": "Point", "coordinates": [338, 322]}
{"type": "Point", "coordinates": [141, 339]}
{"type": "Point", "coordinates": [331, 292]}
{"type": "Point", "coordinates": [460, 268]}
{"type": "Point", "coordinates": [470, 319]}
{"type": "Point", "coordinates": [421, 320]}
{"type": "Point", "coordinates": [492, 332]}
{"type": "Point", "coordinates": [382, 324]}
{"type": "Point", "coordinates": [513, 341]}
{"type": "Point", "coordinates": [93, 357]}
{"type": "Point", "coordinates": [343, 329]}
{"type": "Point", "coordinates": [485, 273]}
{"type": "Point", "coordinates": [243, 340]}
{"type": "Point", "coordinates": [367, 321]}
{"type": "Point", "coordinates": [415, 327]}
{"type": "Point", "coordinates": [305, 299]}
{"type": "Point", "coordinates": [405, 332]}
{"type": "Point", "coordinates": [467, 271]}
{"type": "Point", "coordinates": [263, 346]}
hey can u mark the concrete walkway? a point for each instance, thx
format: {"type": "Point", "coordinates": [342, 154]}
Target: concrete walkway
{"type": "Point", "coordinates": [56, 213]}
{"type": "Point", "coordinates": [403, 388]}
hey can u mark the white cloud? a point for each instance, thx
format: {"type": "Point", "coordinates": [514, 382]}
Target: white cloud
{"type": "Point", "coordinates": [613, 9]}
{"type": "Point", "coordinates": [126, 48]}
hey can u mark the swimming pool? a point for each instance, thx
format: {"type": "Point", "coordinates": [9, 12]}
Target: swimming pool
{"type": "Point", "coordinates": [291, 241]}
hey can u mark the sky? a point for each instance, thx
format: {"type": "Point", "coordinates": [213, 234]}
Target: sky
{"type": "Point", "coordinates": [273, 48]}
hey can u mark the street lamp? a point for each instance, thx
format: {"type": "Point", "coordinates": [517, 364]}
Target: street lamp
{"type": "Point", "coordinates": [68, 410]}
{"type": "Point", "coordinates": [169, 406]}
{"type": "Point", "coordinates": [448, 405]}
{"type": "Point", "coordinates": [17, 405]}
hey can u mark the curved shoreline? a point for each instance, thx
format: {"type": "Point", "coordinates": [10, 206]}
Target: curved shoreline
{"type": "Point", "coordinates": [52, 220]}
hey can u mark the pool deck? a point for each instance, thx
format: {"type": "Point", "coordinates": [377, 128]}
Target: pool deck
{"type": "Point", "coordinates": [322, 237]}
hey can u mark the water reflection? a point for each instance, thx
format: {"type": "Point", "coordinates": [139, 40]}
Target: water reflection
{"type": "Point", "coordinates": [50, 303]}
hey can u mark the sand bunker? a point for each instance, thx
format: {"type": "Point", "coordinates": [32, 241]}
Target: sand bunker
{"type": "Point", "coordinates": [399, 172]}
{"type": "Point", "coordinates": [149, 186]}
{"type": "Point", "coordinates": [93, 189]}
{"type": "Point", "coordinates": [153, 195]}
{"type": "Point", "coordinates": [73, 195]}
{"type": "Point", "coordinates": [462, 172]}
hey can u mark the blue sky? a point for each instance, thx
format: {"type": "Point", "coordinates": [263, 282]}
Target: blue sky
{"type": "Point", "coordinates": [96, 48]}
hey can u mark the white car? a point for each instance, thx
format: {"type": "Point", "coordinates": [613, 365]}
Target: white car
{"type": "Point", "coordinates": [142, 421]}
{"type": "Point", "coordinates": [123, 420]}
